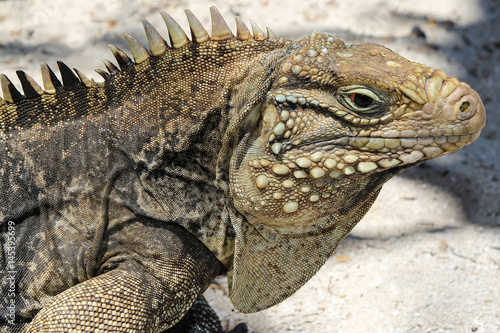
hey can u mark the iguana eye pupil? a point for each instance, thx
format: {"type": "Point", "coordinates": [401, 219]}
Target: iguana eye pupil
{"type": "Point", "coordinates": [361, 100]}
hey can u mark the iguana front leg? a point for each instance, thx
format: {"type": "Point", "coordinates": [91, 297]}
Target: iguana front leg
{"type": "Point", "coordinates": [148, 292]}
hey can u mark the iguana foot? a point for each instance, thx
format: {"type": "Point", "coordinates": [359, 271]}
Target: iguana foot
{"type": "Point", "coordinates": [240, 328]}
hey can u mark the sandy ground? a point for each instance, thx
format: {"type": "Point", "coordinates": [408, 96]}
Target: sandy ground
{"type": "Point", "coordinates": [427, 256]}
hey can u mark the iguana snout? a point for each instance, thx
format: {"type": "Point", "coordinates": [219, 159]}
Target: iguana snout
{"type": "Point", "coordinates": [462, 106]}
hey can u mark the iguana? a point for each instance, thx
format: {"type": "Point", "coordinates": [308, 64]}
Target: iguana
{"type": "Point", "coordinates": [247, 155]}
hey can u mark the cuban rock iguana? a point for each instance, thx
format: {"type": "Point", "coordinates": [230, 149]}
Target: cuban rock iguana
{"type": "Point", "coordinates": [244, 155]}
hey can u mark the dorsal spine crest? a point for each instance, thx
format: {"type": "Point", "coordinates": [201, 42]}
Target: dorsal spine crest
{"type": "Point", "coordinates": [157, 46]}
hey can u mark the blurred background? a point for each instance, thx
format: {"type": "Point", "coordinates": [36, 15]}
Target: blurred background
{"type": "Point", "coordinates": [426, 258]}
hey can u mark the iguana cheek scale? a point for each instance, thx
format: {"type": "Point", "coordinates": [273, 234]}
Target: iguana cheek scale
{"type": "Point", "coordinates": [247, 155]}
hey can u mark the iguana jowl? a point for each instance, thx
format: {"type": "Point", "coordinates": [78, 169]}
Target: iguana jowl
{"type": "Point", "coordinates": [248, 155]}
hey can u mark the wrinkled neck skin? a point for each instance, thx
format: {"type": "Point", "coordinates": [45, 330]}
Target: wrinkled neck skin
{"type": "Point", "coordinates": [162, 146]}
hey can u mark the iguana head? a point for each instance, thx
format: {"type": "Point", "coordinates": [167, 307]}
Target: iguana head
{"type": "Point", "coordinates": [338, 116]}
{"type": "Point", "coordinates": [338, 122]}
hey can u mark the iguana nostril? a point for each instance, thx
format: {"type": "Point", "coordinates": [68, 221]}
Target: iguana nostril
{"type": "Point", "coordinates": [464, 107]}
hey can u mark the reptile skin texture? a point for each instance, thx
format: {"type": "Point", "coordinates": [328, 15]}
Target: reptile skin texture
{"type": "Point", "coordinates": [246, 155]}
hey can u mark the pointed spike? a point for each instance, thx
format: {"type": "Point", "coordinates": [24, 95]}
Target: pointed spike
{"type": "Point", "coordinates": [257, 33]}
{"type": "Point", "coordinates": [30, 87]}
{"type": "Point", "coordinates": [270, 34]}
{"type": "Point", "coordinates": [177, 36]}
{"type": "Point", "coordinates": [50, 81]}
{"type": "Point", "coordinates": [121, 57]}
{"type": "Point", "coordinates": [113, 70]}
{"type": "Point", "coordinates": [70, 80]}
{"type": "Point", "coordinates": [96, 84]}
{"type": "Point", "coordinates": [102, 73]}
{"type": "Point", "coordinates": [139, 52]}
{"type": "Point", "coordinates": [10, 93]}
{"type": "Point", "coordinates": [157, 44]}
{"type": "Point", "coordinates": [85, 80]}
{"type": "Point", "coordinates": [220, 29]}
{"type": "Point", "coordinates": [198, 32]}
{"type": "Point", "coordinates": [242, 30]}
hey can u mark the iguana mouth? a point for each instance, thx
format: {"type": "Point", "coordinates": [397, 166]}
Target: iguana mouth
{"type": "Point", "coordinates": [311, 172]}
{"type": "Point", "coordinates": [346, 155]}
{"type": "Point", "coordinates": [382, 153]}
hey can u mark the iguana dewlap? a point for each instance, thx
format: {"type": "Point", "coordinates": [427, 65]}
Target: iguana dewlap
{"type": "Point", "coordinates": [244, 155]}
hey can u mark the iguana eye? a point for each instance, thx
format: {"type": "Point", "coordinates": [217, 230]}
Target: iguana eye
{"type": "Point", "coordinates": [360, 99]}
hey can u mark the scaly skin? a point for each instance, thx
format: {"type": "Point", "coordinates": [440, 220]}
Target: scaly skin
{"type": "Point", "coordinates": [247, 155]}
